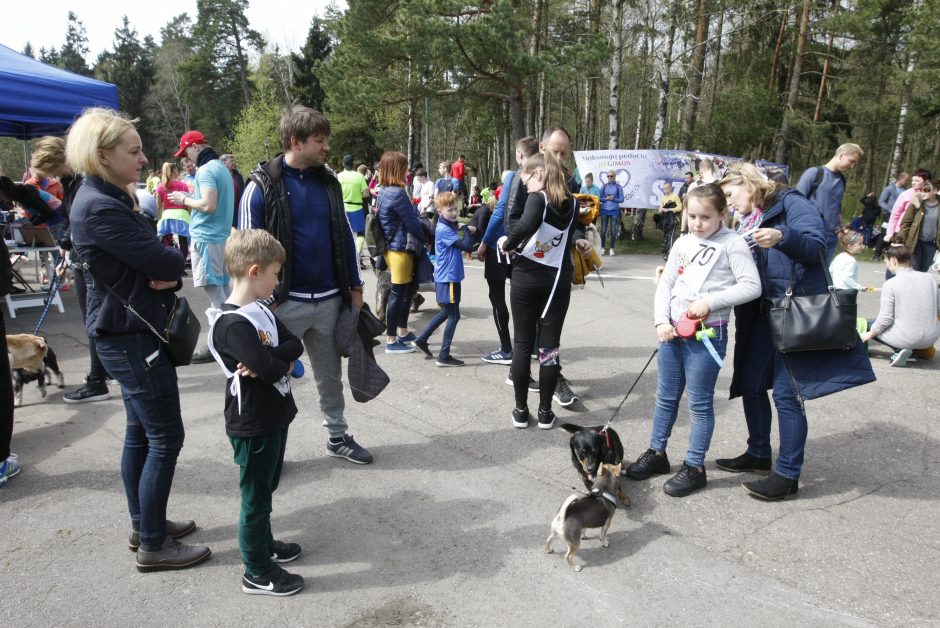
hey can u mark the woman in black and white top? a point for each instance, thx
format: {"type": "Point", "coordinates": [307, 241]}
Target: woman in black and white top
{"type": "Point", "coordinates": [540, 237]}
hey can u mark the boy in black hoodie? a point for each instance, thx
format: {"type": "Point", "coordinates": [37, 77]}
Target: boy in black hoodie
{"type": "Point", "coordinates": [257, 354]}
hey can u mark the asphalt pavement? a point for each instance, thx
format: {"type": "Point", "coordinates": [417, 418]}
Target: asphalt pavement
{"type": "Point", "coordinates": [446, 527]}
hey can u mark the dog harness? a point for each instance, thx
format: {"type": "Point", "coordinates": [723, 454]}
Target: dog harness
{"type": "Point", "coordinates": [263, 321]}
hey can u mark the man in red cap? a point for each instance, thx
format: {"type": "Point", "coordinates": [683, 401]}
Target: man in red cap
{"type": "Point", "coordinates": [212, 206]}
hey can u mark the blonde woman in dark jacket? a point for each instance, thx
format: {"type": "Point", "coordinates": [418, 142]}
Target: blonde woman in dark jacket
{"type": "Point", "coordinates": [117, 242]}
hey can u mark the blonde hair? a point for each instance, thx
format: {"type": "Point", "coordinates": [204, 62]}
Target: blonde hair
{"type": "Point", "coordinates": [750, 178]}
{"type": "Point", "coordinates": [166, 173]}
{"type": "Point", "coordinates": [556, 188]}
{"type": "Point", "coordinates": [851, 149]}
{"type": "Point", "coordinates": [847, 237]}
{"type": "Point", "coordinates": [97, 129]}
{"type": "Point", "coordinates": [247, 247]}
{"type": "Point", "coordinates": [48, 158]}
{"type": "Point", "coordinates": [444, 199]}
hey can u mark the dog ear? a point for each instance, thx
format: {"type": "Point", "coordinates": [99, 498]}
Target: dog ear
{"type": "Point", "coordinates": [571, 428]}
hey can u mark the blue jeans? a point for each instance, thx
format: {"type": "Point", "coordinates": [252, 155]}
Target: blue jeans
{"type": "Point", "coordinates": [687, 363]}
{"type": "Point", "coordinates": [765, 368]}
{"type": "Point", "coordinates": [451, 313]}
{"type": "Point", "coordinates": [922, 255]}
{"type": "Point", "coordinates": [154, 431]}
{"type": "Point", "coordinates": [612, 224]}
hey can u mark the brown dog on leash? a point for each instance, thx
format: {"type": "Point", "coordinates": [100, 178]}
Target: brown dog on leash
{"type": "Point", "coordinates": [31, 359]}
{"type": "Point", "coordinates": [595, 510]}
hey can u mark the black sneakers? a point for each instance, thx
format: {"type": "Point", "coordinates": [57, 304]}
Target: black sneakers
{"type": "Point", "coordinates": [773, 487]}
{"type": "Point", "coordinates": [448, 361]}
{"type": "Point", "coordinates": [91, 391]}
{"type": "Point", "coordinates": [175, 529]}
{"type": "Point", "coordinates": [172, 555]}
{"type": "Point", "coordinates": [533, 385]}
{"type": "Point", "coordinates": [346, 447]}
{"type": "Point", "coordinates": [284, 552]}
{"type": "Point", "coordinates": [563, 395]}
{"type": "Point", "coordinates": [745, 462]}
{"type": "Point", "coordinates": [423, 345]}
{"type": "Point", "coordinates": [650, 463]}
{"type": "Point", "coordinates": [546, 419]}
{"type": "Point", "coordinates": [686, 481]}
{"type": "Point", "coordinates": [276, 582]}
{"type": "Point", "coordinates": [520, 418]}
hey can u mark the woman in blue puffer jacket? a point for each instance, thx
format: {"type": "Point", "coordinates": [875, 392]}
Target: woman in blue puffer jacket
{"type": "Point", "coordinates": [789, 238]}
{"type": "Point", "coordinates": [404, 235]}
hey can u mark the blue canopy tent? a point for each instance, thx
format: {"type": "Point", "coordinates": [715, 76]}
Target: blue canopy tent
{"type": "Point", "coordinates": [38, 99]}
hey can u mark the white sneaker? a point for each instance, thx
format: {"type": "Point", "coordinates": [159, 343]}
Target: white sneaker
{"type": "Point", "coordinates": [900, 358]}
{"type": "Point", "coordinates": [611, 252]}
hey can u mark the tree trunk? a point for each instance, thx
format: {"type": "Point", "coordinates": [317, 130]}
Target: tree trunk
{"type": "Point", "coordinates": [817, 116]}
{"type": "Point", "coordinates": [695, 78]}
{"type": "Point", "coordinates": [534, 47]}
{"type": "Point", "coordinates": [643, 92]}
{"type": "Point", "coordinates": [794, 93]}
{"type": "Point", "coordinates": [772, 84]}
{"type": "Point", "coordinates": [664, 74]}
{"type": "Point", "coordinates": [516, 112]}
{"type": "Point", "coordinates": [902, 115]}
{"type": "Point", "coordinates": [613, 126]}
{"type": "Point", "coordinates": [590, 87]}
{"type": "Point", "coordinates": [716, 70]}
{"type": "Point", "coordinates": [242, 63]}
{"type": "Point", "coordinates": [411, 122]}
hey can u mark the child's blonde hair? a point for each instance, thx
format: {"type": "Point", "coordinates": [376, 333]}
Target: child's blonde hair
{"type": "Point", "coordinates": [847, 237]}
{"type": "Point", "coordinates": [444, 199]}
{"type": "Point", "coordinates": [247, 247]}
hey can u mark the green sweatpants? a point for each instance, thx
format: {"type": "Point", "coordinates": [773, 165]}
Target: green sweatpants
{"type": "Point", "coordinates": [260, 459]}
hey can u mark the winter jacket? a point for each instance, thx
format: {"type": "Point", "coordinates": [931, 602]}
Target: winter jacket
{"type": "Point", "coordinates": [816, 373]}
{"type": "Point", "coordinates": [398, 217]}
{"type": "Point", "coordinates": [354, 333]}
{"type": "Point", "coordinates": [120, 246]}
{"type": "Point", "coordinates": [910, 226]}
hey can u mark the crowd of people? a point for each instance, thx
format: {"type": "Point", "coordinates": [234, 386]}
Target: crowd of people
{"type": "Point", "coordinates": [280, 261]}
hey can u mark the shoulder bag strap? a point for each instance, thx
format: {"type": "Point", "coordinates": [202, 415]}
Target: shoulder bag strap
{"type": "Point", "coordinates": [86, 266]}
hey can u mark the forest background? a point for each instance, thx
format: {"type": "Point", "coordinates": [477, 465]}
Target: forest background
{"type": "Point", "coordinates": [785, 80]}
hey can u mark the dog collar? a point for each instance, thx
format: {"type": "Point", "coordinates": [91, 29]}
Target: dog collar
{"type": "Point", "coordinates": [605, 495]}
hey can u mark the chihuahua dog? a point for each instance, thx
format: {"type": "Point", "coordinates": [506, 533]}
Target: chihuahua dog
{"type": "Point", "coordinates": [591, 447]}
{"type": "Point", "coordinates": [595, 510]}
{"type": "Point", "coordinates": [31, 359]}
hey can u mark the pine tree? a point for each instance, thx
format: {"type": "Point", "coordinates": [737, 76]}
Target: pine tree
{"type": "Point", "coordinates": [306, 88]}
{"type": "Point", "coordinates": [72, 55]}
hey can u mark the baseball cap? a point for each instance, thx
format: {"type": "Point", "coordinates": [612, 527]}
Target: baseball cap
{"type": "Point", "coordinates": [190, 138]}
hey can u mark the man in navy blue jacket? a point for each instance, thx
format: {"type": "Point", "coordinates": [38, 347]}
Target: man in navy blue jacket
{"type": "Point", "coordinates": [300, 202]}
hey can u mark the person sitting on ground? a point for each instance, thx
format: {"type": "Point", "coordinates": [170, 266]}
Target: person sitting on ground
{"type": "Point", "coordinates": [910, 306]}
{"type": "Point", "coordinates": [448, 273]}
{"type": "Point", "coordinates": [257, 352]}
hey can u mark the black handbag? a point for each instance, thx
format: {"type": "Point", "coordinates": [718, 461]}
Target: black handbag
{"type": "Point", "coordinates": [182, 326]}
{"type": "Point", "coordinates": [814, 322]}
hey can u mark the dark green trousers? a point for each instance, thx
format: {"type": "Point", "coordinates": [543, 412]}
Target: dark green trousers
{"type": "Point", "coordinates": [260, 459]}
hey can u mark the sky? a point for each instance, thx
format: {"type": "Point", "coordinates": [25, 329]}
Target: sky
{"type": "Point", "coordinates": [282, 22]}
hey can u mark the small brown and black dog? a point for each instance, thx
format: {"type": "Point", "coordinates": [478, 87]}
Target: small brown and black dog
{"type": "Point", "coordinates": [31, 359]}
{"type": "Point", "coordinates": [595, 510]}
{"type": "Point", "coordinates": [591, 447]}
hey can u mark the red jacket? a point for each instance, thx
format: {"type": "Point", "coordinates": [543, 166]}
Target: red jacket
{"type": "Point", "coordinates": [457, 170]}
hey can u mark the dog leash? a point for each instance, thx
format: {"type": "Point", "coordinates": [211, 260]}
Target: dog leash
{"type": "Point", "coordinates": [53, 291]}
{"type": "Point", "coordinates": [622, 401]}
